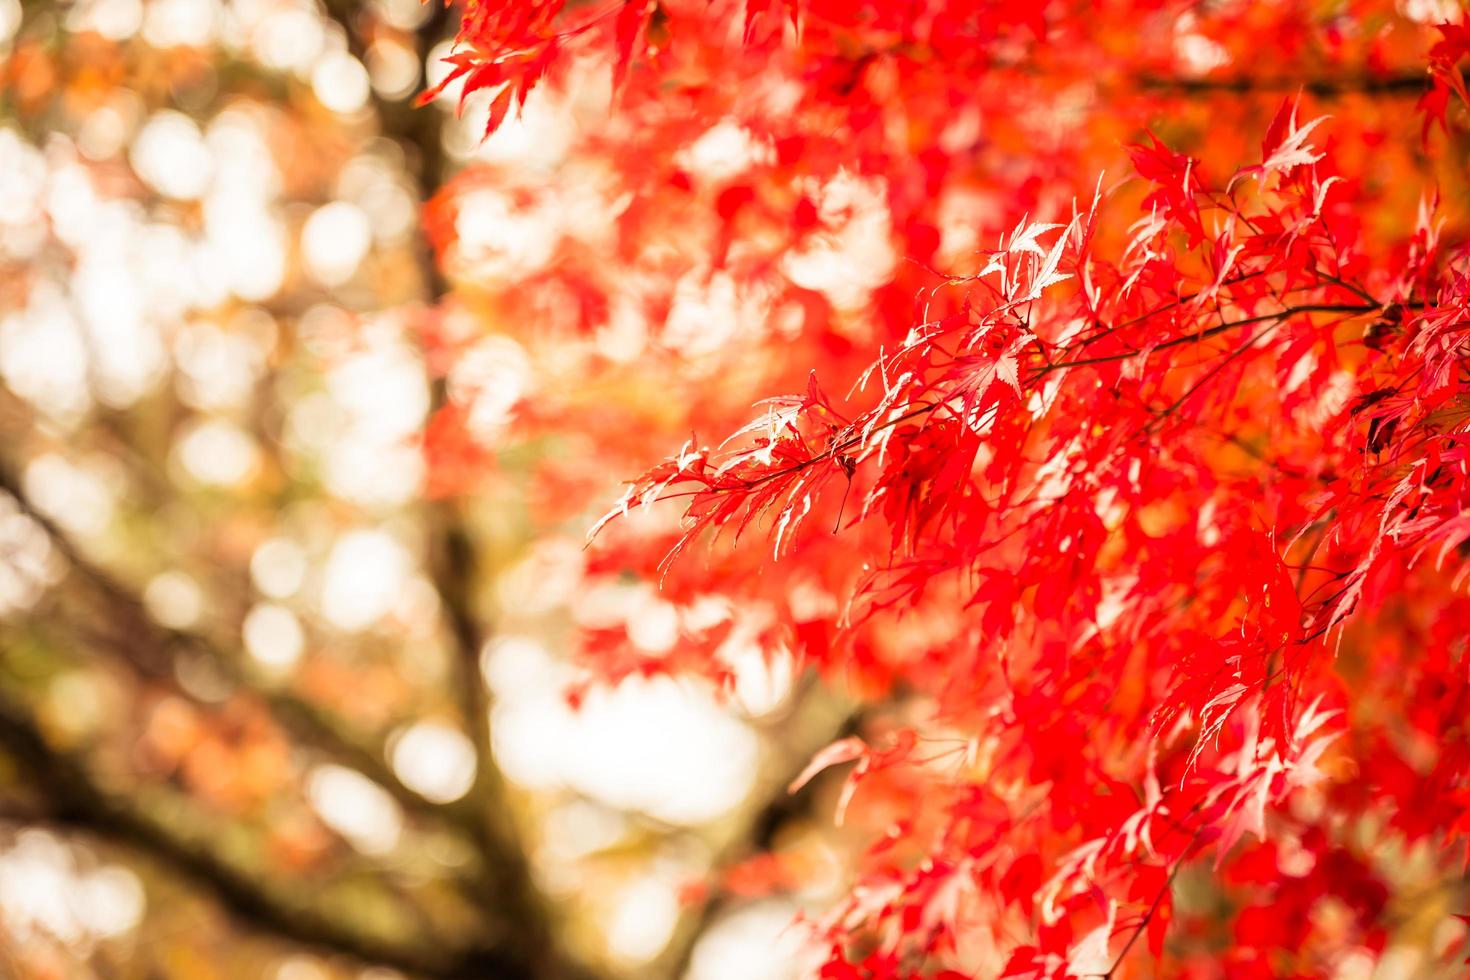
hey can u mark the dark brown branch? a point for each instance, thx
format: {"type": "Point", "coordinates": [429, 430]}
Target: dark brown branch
{"type": "Point", "coordinates": [1153, 908]}
{"type": "Point", "coordinates": [419, 130]}
{"type": "Point", "coordinates": [773, 809]}
{"type": "Point", "coordinates": [508, 870]}
{"type": "Point", "coordinates": [508, 883]}
{"type": "Point", "coordinates": [1215, 331]}
{"type": "Point", "coordinates": [1407, 85]}
{"type": "Point", "coordinates": [128, 631]}
{"type": "Point", "coordinates": [73, 798]}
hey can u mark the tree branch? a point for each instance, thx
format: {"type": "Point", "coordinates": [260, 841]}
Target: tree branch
{"type": "Point", "coordinates": [771, 808]}
{"type": "Point", "coordinates": [73, 798]}
{"type": "Point", "coordinates": [1407, 85]}
{"type": "Point", "coordinates": [452, 561]}
{"type": "Point", "coordinates": [151, 649]}
{"type": "Point", "coordinates": [454, 573]}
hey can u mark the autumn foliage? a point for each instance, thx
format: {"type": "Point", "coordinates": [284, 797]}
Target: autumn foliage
{"type": "Point", "coordinates": [1112, 409]}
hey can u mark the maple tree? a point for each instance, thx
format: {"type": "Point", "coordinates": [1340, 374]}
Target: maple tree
{"type": "Point", "coordinates": [1062, 417]}
{"type": "Point", "coordinates": [1110, 441]}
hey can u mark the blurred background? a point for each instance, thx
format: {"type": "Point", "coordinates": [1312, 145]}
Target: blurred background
{"type": "Point", "coordinates": [253, 639]}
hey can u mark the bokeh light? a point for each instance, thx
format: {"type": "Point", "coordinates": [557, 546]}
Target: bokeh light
{"type": "Point", "coordinates": [229, 591]}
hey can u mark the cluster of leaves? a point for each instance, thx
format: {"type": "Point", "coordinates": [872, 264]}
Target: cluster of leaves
{"type": "Point", "coordinates": [1127, 518]}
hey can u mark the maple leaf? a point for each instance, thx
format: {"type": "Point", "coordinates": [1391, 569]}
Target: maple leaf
{"type": "Point", "coordinates": [1285, 147]}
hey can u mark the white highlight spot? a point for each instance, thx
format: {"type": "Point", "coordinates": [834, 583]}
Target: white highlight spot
{"type": "Point", "coordinates": [364, 576]}
{"type": "Point", "coordinates": [278, 567]}
{"type": "Point", "coordinates": [174, 600]}
{"type": "Point", "coordinates": [435, 761]}
{"type": "Point", "coordinates": [335, 240]}
{"type": "Point", "coordinates": [340, 82]}
{"type": "Point", "coordinates": [355, 807]}
{"type": "Point", "coordinates": [171, 157]}
{"type": "Point", "coordinates": [273, 636]}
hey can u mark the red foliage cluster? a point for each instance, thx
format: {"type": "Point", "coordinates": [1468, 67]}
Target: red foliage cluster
{"type": "Point", "coordinates": [1153, 506]}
